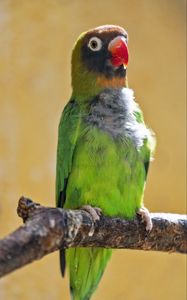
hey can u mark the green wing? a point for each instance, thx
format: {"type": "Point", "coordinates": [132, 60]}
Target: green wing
{"type": "Point", "coordinates": [148, 148]}
{"type": "Point", "coordinates": [67, 136]}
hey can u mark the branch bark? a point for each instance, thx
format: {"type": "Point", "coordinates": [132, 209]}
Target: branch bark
{"type": "Point", "coordinates": [49, 229]}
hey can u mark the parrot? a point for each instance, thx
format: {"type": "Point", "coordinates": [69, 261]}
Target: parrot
{"type": "Point", "coordinates": [104, 148]}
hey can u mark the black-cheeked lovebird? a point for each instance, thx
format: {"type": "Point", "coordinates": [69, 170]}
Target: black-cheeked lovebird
{"type": "Point", "coordinates": [104, 147]}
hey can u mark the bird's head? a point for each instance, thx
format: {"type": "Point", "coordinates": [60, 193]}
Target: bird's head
{"type": "Point", "coordinates": [99, 61]}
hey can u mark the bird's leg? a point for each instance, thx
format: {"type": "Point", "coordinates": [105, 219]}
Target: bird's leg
{"type": "Point", "coordinates": [95, 212]}
{"type": "Point", "coordinates": [145, 215]}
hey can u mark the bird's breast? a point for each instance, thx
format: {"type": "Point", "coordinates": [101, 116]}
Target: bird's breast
{"type": "Point", "coordinates": [112, 111]}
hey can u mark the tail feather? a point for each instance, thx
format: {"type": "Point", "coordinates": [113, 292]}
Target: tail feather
{"type": "Point", "coordinates": [86, 267]}
{"type": "Point", "coordinates": [62, 261]}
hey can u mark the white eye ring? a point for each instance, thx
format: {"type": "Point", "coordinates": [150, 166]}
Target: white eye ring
{"type": "Point", "coordinates": [95, 44]}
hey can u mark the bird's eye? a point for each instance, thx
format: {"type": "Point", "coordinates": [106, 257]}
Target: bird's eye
{"type": "Point", "coordinates": [95, 44]}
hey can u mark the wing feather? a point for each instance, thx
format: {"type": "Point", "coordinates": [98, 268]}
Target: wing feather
{"type": "Point", "coordinates": [68, 132]}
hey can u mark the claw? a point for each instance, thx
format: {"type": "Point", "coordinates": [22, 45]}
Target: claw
{"type": "Point", "coordinates": [95, 212]}
{"type": "Point", "coordinates": [145, 214]}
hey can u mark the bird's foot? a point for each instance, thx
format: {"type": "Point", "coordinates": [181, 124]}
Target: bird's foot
{"type": "Point", "coordinates": [95, 212]}
{"type": "Point", "coordinates": [145, 215]}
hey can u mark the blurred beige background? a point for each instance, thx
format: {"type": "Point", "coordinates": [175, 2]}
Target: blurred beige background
{"type": "Point", "coordinates": [36, 38]}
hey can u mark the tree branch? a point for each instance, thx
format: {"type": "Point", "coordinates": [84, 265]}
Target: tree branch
{"type": "Point", "coordinates": [49, 229]}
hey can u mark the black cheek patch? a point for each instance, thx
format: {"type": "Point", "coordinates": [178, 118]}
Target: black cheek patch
{"type": "Point", "coordinates": [94, 60]}
{"type": "Point", "coordinates": [97, 61]}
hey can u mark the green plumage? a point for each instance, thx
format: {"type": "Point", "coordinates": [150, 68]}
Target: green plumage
{"type": "Point", "coordinates": [95, 168]}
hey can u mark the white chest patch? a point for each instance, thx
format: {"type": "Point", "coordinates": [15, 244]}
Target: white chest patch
{"type": "Point", "coordinates": [114, 111]}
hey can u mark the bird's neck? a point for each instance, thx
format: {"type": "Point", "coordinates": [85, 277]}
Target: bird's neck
{"type": "Point", "coordinates": [114, 82]}
{"type": "Point", "coordinates": [86, 86]}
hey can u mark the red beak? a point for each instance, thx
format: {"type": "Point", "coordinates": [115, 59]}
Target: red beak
{"type": "Point", "coordinates": [119, 50]}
